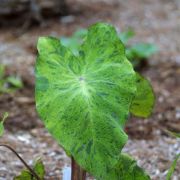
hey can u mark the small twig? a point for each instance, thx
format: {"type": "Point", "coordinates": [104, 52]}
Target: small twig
{"type": "Point", "coordinates": [25, 164]}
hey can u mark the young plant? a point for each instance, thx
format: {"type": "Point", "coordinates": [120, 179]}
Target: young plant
{"type": "Point", "coordinates": [35, 173]}
{"type": "Point", "coordinates": [2, 123]}
{"type": "Point", "coordinates": [75, 41]}
{"type": "Point", "coordinates": [172, 168]}
{"type": "Point", "coordinates": [135, 53]}
{"type": "Point", "coordinates": [38, 168]}
{"type": "Point", "coordinates": [174, 163]}
{"type": "Point", "coordinates": [85, 99]}
{"type": "Point", "coordinates": [10, 83]}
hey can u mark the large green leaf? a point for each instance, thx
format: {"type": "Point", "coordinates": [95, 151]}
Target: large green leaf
{"type": "Point", "coordinates": [84, 100]}
{"type": "Point", "coordinates": [143, 103]}
{"type": "Point", "coordinates": [126, 169]}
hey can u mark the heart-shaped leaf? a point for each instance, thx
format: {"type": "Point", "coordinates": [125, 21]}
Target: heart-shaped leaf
{"type": "Point", "coordinates": [84, 100]}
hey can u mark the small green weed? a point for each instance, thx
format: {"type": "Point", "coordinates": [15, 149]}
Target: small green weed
{"type": "Point", "coordinates": [2, 123]}
{"type": "Point", "coordinates": [38, 168]}
{"type": "Point", "coordinates": [174, 163]}
{"type": "Point", "coordinates": [9, 84]}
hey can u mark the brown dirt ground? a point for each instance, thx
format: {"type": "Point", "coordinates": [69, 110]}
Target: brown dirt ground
{"type": "Point", "coordinates": [155, 22]}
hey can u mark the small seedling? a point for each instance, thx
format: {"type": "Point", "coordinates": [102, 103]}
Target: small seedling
{"type": "Point", "coordinates": [35, 173]}
{"type": "Point", "coordinates": [174, 134]}
{"type": "Point", "coordinates": [75, 41]}
{"type": "Point", "coordinates": [38, 168]}
{"type": "Point", "coordinates": [172, 168]}
{"type": "Point", "coordinates": [126, 35]}
{"type": "Point", "coordinates": [85, 98]}
{"type": "Point", "coordinates": [9, 84]}
{"type": "Point", "coordinates": [2, 123]}
{"type": "Point", "coordinates": [140, 52]}
{"type": "Point", "coordinates": [174, 163]}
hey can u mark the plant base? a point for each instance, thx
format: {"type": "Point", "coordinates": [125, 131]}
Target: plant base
{"type": "Point", "coordinates": [77, 173]}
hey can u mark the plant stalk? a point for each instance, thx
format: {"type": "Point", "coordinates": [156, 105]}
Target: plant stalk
{"type": "Point", "coordinates": [20, 158]}
{"type": "Point", "coordinates": [77, 173]}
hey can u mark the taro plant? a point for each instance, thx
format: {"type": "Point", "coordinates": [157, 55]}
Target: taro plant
{"type": "Point", "coordinates": [136, 53]}
{"type": "Point", "coordinates": [8, 84]}
{"type": "Point", "coordinates": [85, 99]}
{"type": "Point", "coordinates": [37, 172]}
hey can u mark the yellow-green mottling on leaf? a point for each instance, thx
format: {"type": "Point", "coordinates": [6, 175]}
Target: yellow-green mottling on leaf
{"type": "Point", "coordinates": [143, 102]}
{"type": "Point", "coordinates": [84, 100]}
{"type": "Point", "coordinates": [126, 169]}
